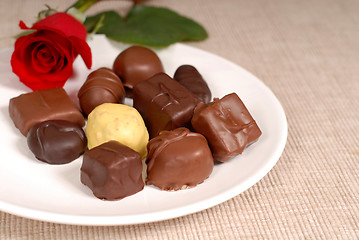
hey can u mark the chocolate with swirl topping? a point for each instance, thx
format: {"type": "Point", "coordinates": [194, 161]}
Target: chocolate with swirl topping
{"type": "Point", "coordinates": [178, 159]}
{"type": "Point", "coordinates": [101, 86]}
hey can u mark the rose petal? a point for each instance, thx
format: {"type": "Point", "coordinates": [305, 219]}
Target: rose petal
{"type": "Point", "coordinates": [19, 62]}
{"type": "Point", "coordinates": [44, 58]}
{"type": "Point", "coordinates": [22, 25]}
{"type": "Point", "coordinates": [83, 49]}
{"type": "Point", "coordinates": [62, 23]}
{"type": "Point", "coordinates": [60, 47]}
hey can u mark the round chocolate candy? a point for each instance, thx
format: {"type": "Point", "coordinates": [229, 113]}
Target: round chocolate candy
{"type": "Point", "coordinates": [136, 64]}
{"type": "Point", "coordinates": [178, 159]}
{"type": "Point", "coordinates": [189, 77]}
{"type": "Point", "coordinates": [57, 141]}
{"type": "Point", "coordinates": [119, 122]}
{"type": "Point", "coordinates": [101, 86]}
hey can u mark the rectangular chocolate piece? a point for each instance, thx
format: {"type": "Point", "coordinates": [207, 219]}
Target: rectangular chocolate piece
{"type": "Point", "coordinates": [29, 109]}
{"type": "Point", "coordinates": [227, 125]}
{"type": "Point", "coordinates": [163, 103]}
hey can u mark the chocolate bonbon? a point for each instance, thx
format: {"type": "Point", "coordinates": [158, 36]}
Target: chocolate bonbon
{"type": "Point", "coordinates": [227, 125]}
{"type": "Point", "coordinates": [101, 86]}
{"type": "Point", "coordinates": [178, 159]}
{"type": "Point", "coordinates": [163, 103]}
{"type": "Point", "coordinates": [111, 121]}
{"type": "Point", "coordinates": [136, 64]}
{"type": "Point", "coordinates": [112, 171]}
{"type": "Point", "coordinates": [188, 76]}
{"type": "Point", "coordinates": [57, 141]}
{"type": "Point", "coordinates": [29, 109]}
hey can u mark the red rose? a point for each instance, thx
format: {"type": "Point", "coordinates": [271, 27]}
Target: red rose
{"type": "Point", "coordinates": [44, 59]}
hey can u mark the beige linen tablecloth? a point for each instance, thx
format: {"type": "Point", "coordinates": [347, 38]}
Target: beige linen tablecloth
{"type": "Point", "coordinates": [307, 53]}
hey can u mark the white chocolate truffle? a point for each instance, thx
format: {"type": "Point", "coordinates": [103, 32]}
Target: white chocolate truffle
{"type": "Point", "coordinates": [112, 121]}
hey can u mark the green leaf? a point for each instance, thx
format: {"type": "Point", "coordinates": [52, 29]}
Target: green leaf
{"type": "Point", "coordinates": [110, 20]}
{"type": "Point", "coordinates": [147, 25]}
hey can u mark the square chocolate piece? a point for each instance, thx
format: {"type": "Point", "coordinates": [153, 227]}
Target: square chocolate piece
{"type": "Point", "coordinates": [112, 171]}
{"type": "Point", "coordinates": [163, 103]}
{"type": "Point", "coordinates": [29, 109]}
{"type": "Point", "coordinates": [227, 125]}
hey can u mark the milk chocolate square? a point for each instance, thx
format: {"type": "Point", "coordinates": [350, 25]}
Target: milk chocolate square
{"type": "Point", "coordinates": [227, 125]}
{"type": "Point", "coordinates": [163, 103]}
{"type": "Point", "coordinates": [29, 109]}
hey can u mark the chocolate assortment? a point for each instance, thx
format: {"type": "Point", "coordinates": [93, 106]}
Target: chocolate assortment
{"type": "Point", "coordinates": [101, 86]}
{"type": "Point", "coordinates": [188, 76]}
{"type": "Point", "coordinates": [227, 125]}
{"type": "Point", "coordinates": [178, 159]}
{"type": "Point", "coordinates": [173, 132]}
{"type": "Point", "coordinates": [135, 64]}
{"type": "Point", "coordinates": [57, 141]}
{"type": "Point", "coordinates": [112, 171]}
{"type": "Point", "coordinates": [163, 103]}
{"type": "Point", "coordinates": [31, 108]}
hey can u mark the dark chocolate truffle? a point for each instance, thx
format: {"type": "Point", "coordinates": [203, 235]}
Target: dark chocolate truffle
{"type": "Point", "coordinates": [178, 159]}
{"type": "Point", "coordinates": [57, 141]}
{"type": "Point", "coordinates": [112, 171]}
{"type": "Point", "coordinates": [227, 125]}
{"type": "Point", "coordinates": [136, 64]}
{"type": "Point", "coordinates": [101, 86]}
{"type": "Point", "coordinates": [189, 77]}
{"type": "Point", "coordinates": [29, 109]}
{"type": "Point", "coordinates": [163, 103]}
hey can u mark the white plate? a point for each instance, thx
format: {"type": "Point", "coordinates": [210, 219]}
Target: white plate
{"type": "Point", "coordinates": [36, 190]}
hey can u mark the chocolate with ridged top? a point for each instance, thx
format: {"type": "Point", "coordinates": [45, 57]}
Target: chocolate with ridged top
{"type": "Point", "coordinates": [57, 141]}
{"type": "Point", "coordinates": [189, 77]}
{"type": "Point", "coordinates": [29, 109]}
{"type": "Point", "coordinates": [101, 86]}
{"type": "Point", "coordinates": [163, 103]}
{"type": "Point", "coordinates": [227, 125]}
{"type": "Point", "coordinates": [112, 171]}
{"type": "Point", "coordinates": [178, 159]}
{"type": "Point", "coordinates": [136, 64]}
